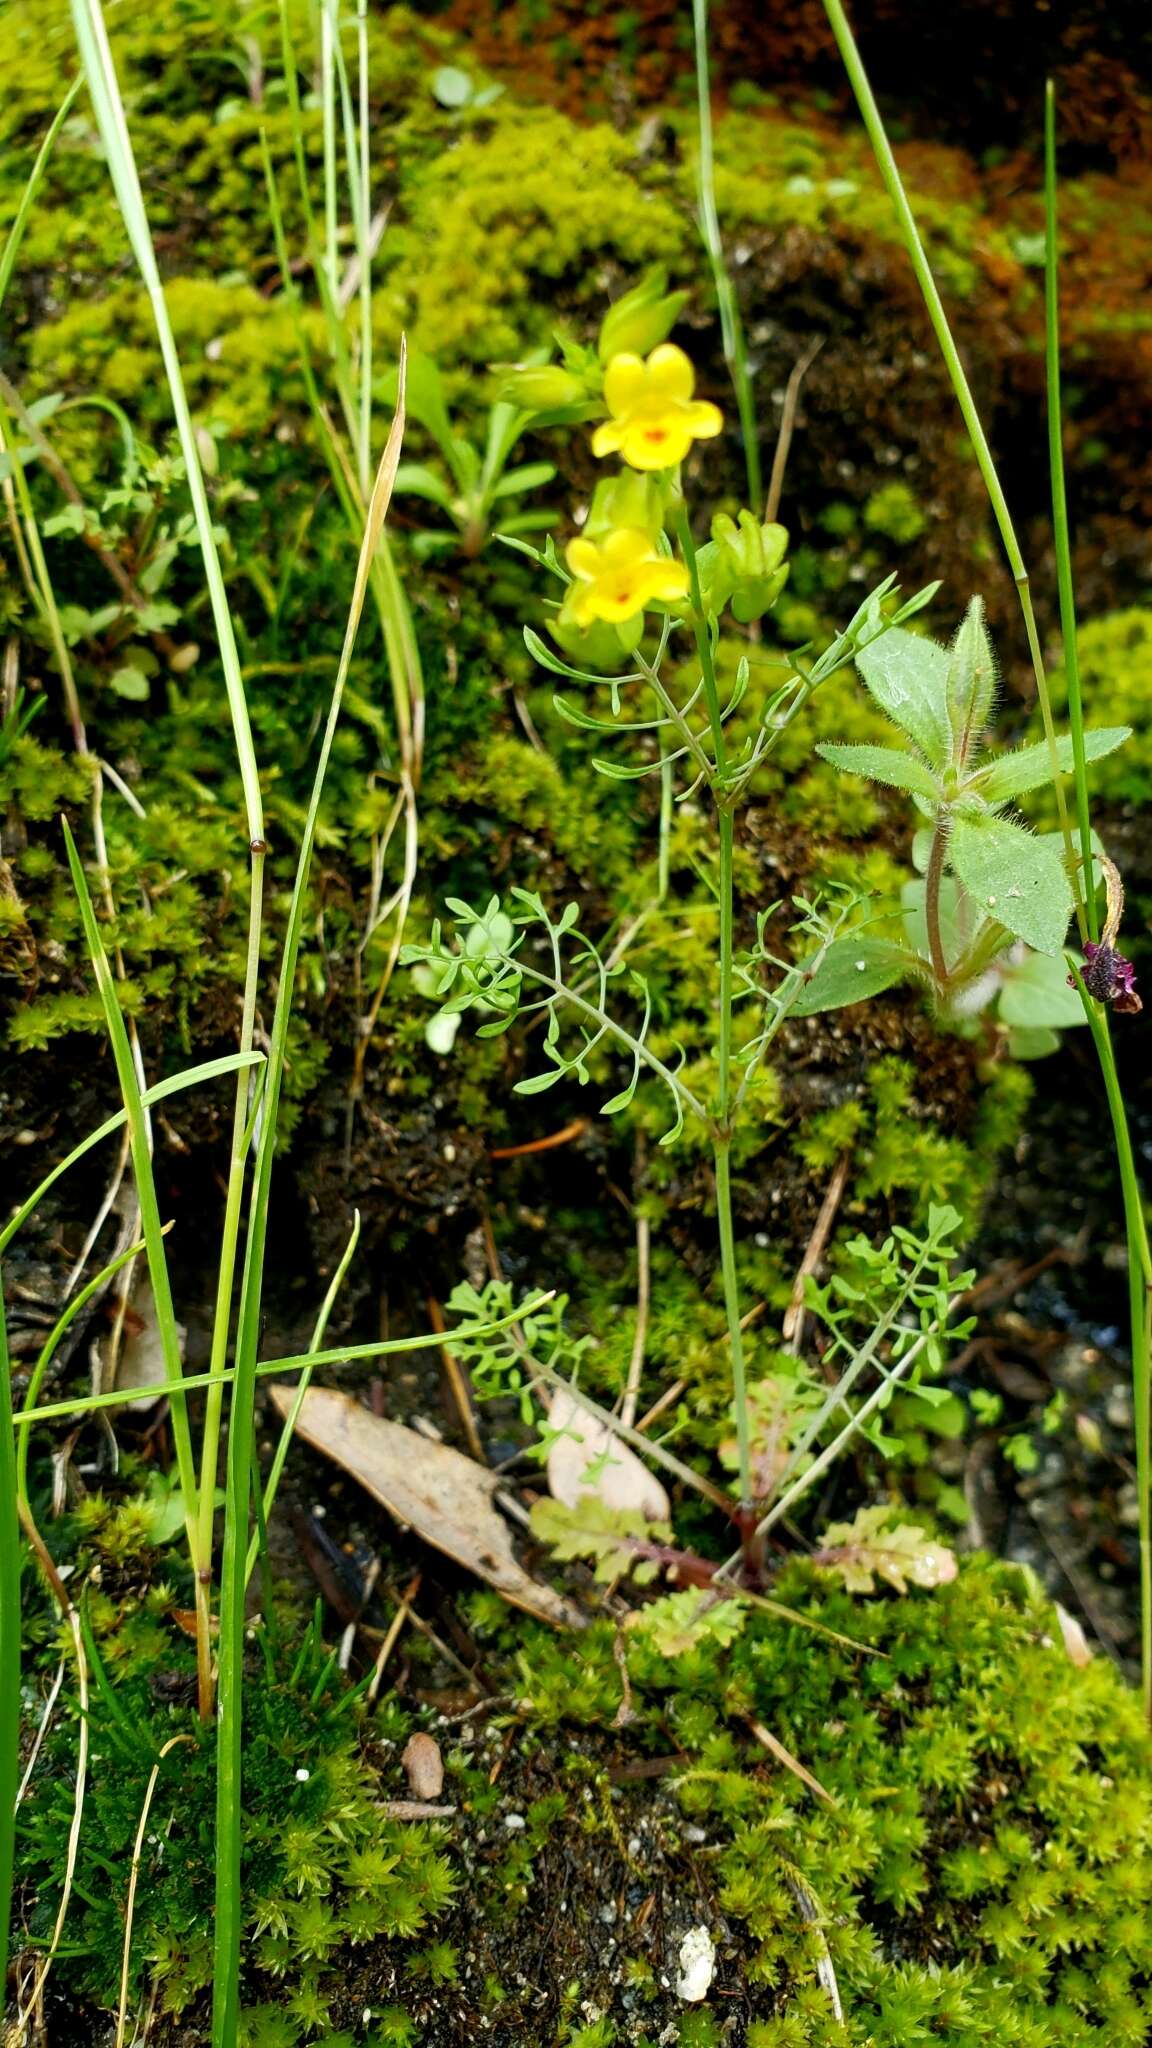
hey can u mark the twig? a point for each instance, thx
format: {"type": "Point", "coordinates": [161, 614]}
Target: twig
{"type": "Point", "coordinates": [403, 1613]}
{"type": "Point", "coordinates": [458, 1384]}
{"type": "Point", "coordinates": [787, 423]}
{"type": "Point", "coordinates": [640, 1336]}
{"type": "Point", "coordinates": [575, 1129]}
{"type": "Point", "coordinates": [784, 1756]}
{"type": "Point", "coordinates": [793, 1326]}
{"type": "Point", "coordinates": [669, 1395]}
{"type": "Point", "coordinates": [812, 1912]}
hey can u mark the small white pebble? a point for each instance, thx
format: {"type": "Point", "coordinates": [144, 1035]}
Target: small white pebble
{"type": "Point", "coordinates": [697, 1965]}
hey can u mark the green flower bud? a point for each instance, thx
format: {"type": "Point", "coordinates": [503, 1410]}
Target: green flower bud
{"type": "Point", "coordinates": [640, 320]}
{"type": "Point", "coordinates": [743, 566]}
{"type": "Point", "coordinates": [601, 647]}
{"type": "Point", "coordinates": [541, 387]}
{"type": "Point", "coordinates": [629, 499]}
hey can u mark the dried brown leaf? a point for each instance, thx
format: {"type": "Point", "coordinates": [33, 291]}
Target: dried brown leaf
{"type": "Point", "coordinates": [435, 1490]}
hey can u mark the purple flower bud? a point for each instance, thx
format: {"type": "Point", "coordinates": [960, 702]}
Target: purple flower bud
{"type": "Point", "coordinates": [1110, 978]}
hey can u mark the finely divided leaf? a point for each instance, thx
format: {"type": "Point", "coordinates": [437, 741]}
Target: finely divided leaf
{"type": "Point", "coordinates": [908, 676]}
{"type": "Point", "coordinates": [1015, 878]}
{"type": "Point", "coordinates": [1031, 767]}
{"type": "Point", "coordinates": [882, 764]}
{"type": "Point", "coordinates": [875, 1547]}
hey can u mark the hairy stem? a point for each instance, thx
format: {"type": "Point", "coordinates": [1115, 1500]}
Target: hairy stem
{"type": "Point", "coordinates": [932, 883]}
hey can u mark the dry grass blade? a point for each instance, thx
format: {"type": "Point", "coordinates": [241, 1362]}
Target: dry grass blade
{"type": "Point", "coordinates": [776, 1748]}
{"type": "Point", "coordinates": [137, 1852]}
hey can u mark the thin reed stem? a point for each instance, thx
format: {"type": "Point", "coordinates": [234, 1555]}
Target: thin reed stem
{"type": "Point", "coordinates": [731, 325]}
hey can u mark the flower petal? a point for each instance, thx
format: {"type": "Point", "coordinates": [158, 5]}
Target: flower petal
{"type": "Point", "coordinates": [656, 443]}
{"type": "Point", "coordinates": [704, 420]}
{"type": "Point", "coordinates": [583, 558]}
{"type": "Point", "coordinates": [668, 580]}
{"type": "Point", "coordinates": [670, 373]}
{"type": "Point", "coordinates": [625, 547]}
{"type": "Point", "coordinates": [606, 439]}
{"type": "Point", "coordinates": [624, 382]}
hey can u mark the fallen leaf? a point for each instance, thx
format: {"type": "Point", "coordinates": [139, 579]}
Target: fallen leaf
{"type": "Point", "coordinates": [141, 1361]}
{"type": "Point", "coordinates": [590, 1459]}
{"type": "Point", "coordinates": [428, 1486]}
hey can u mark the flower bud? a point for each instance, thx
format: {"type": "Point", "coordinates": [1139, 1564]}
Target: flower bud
{"type": "Point", "coordinates": [743, 566]}
{"type": "Point", "coordinates": [540, 387]}
{"type": "Point", "coordinates": [601, 647]}
{"type": "Point", "coordinates": [630, 499]}
{"type": "Point", "coordinates": [640, 320]}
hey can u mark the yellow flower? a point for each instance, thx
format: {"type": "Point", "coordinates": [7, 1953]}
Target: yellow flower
{"type": "Point", "coordinates": [655, 418]}
{"type": "Point", "coordinates": [617, 576]}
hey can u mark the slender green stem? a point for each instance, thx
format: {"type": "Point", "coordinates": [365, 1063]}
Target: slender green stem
{"type": "Point", "coordinates": [722, 1157]}
{"type": "Point", "coordinates": [104, 89]}
{"type": "Point", "coordinates": [889, 171]}
{"type": "Point", "coordinates": [1060, 513]}
{"type": "Point", "coordinates": [47, 1353]}
{"type": "Point", "coordinates": [27, 198]}
{"type": "Point", "coordinates": [301, 1361]}
{"type": "Point", "coordinates": [722, 1131]}
{"type": "Point", "coordinates": [1140, 1303]}
{"type": "Point", "coordinates": [267, 1494]}
{"type": "Point", "coordinates": [159, 1091]}
{"type": "Point", "coordinates": [731, 325]}
{"type": "Point", "coordinates": [9, 1642]}
{"type": "Point", "coordinates": [664, 849]}
{"type": "Point", "coordinates": [1140, 1263]}
{"type": "Point", "coordinates": [225, 1283]}
{"type": "Point", "coordinates": [703, 637]}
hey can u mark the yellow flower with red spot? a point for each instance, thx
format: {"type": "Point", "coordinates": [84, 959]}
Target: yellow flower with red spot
{"type": "Point", "coordinates": [655, 418]}
{"type": "Point", "coordinates": [619, 575]}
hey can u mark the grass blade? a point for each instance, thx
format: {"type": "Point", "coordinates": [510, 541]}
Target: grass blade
{"type": "Point", "coordinates": [234, 1573]}
{"type": "Point", "coordinates": [145, 1194]}
{"type": "Point", "coordinates": [16, 231]}
{"type": "Point", "coordinates": [208, 1070]}
{"type": "Point", "coordinates": [9, 1643]}
{"type": "Point", "coordinates": [108, 107]}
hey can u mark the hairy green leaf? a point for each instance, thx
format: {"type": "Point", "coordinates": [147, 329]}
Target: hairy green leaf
{"type": "Point", "coordinates": [1015, 878]}
{"type": "Point", "coordinates": [1031, 767]}
{"type": "Point", "coordinates": [971, 684]}
{"type": "Point", "coordinates": [882, 764]}
{"type": "Point", "coordinates": [908, 676]}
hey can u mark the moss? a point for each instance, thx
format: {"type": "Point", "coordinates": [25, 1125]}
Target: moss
{"type": "Point", "coordinates": [325, 1868]}
{"type": "Point", "coordinates": [986, 1864]}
